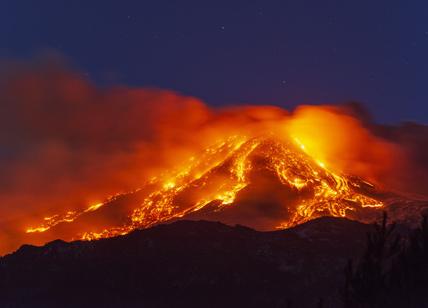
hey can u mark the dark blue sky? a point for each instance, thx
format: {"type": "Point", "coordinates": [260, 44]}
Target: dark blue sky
{"type": "Point", "coordinates": [228, 52]}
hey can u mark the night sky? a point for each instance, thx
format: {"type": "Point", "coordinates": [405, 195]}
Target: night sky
{"type": "Point", "coordinates": [228, 52]}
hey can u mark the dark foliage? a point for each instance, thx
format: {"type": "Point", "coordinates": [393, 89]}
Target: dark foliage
{"type": "Point", "coordinates": [393, 271]}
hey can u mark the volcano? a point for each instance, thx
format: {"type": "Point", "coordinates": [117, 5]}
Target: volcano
{"type": "Point", "coordinates": [264, 182]}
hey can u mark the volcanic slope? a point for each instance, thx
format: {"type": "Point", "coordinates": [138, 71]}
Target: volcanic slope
{"type": "Point", "coordinates": [264, 182]}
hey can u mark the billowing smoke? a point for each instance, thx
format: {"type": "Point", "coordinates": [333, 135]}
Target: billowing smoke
{"type": "Point", "coordinates": [66, 143]}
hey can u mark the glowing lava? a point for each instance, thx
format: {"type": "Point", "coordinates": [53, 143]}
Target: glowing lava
{"type": "Point", "coordinates": [221, 172]}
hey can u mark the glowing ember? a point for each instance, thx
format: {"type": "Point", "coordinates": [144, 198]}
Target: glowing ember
{"type": "Point", "coordinates": [221, 172]}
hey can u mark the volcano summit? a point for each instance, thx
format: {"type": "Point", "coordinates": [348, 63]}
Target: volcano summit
{"type": "Point", "coordinates": [264, 182]}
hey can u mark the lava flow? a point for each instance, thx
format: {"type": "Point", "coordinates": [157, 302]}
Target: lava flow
{"type": "Point", "coordinates": [276, 172]}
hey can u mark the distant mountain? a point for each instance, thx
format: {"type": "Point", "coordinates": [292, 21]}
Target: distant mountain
{"type": "Point", "coordinates": [187, 264]}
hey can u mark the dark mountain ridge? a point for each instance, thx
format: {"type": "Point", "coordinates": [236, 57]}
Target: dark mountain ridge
{"type": "Point", "coordinates": [187, 264]}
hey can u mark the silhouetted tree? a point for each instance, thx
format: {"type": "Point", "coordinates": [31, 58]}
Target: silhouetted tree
{"type": "Point", "coordinates": [366, 285]}
{"type": "Point", "coordinates": [393, 272]}
{"type": "Point", "coordinates": [409, 275]}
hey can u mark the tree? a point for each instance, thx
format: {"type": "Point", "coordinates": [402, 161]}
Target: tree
{"type": "Point", "coordinates": [366, 285]}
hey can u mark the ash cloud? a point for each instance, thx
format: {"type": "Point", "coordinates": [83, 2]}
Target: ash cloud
{"type": "Point", "coordinates": [65, 143]}
{"type": "Point", "coordinates": [408, 170]}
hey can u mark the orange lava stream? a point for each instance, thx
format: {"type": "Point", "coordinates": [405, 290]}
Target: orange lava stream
{"type": "Point", "coordinates": [221, 172]}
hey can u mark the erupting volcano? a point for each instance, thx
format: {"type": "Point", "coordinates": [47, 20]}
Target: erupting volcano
{"type": "Point", "coordinates": [224, 183]}
{"type": "Point", "coordinates": [121, 159]}
{"type": "Point", "coordinates": [203, 154]}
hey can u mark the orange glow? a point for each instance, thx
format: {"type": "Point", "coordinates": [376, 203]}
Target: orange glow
{"type": "Point", "coordinates": [162, 156]}
{"type": "Point", "coordinates": [222, 171]}
{"type": "Point", "coordinates": [340, 141]}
